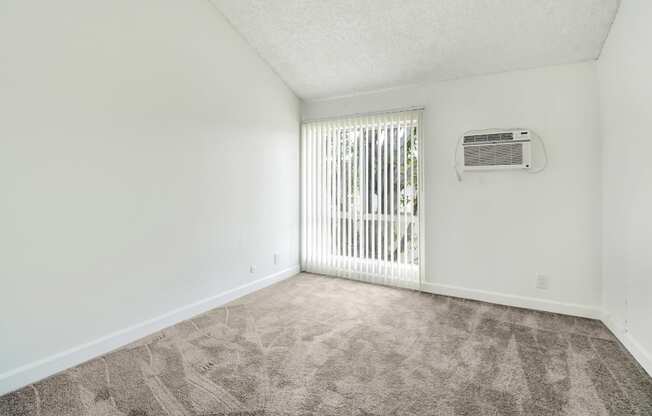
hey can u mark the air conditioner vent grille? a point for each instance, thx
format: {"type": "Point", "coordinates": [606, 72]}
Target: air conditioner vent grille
{"type": "Point", "coordinates": [484, 138]}
{"type": "Point", "coordinates": [494, 155]}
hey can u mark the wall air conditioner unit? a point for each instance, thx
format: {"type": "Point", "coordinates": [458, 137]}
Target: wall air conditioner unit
{"type": "Point", "coordinates": [497, 149]}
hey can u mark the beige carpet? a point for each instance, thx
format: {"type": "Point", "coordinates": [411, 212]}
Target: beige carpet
{"type": "Point", "coordinates": [323, 346]}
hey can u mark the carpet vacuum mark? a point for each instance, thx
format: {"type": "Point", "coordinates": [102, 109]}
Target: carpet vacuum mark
{"type": "Point", "coordinates": [314, 345]}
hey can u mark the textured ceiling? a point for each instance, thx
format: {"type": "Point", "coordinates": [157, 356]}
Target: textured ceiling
{"type": "Point", "coordinates": [324, 48]}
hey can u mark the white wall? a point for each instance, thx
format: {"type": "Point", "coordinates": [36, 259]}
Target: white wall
{"type": "Point", "coordinates": [624, 70]}
{"type": "Point", "coordinates": [489, 235]}
{"type": "Point", "coordinates": [147, 158]}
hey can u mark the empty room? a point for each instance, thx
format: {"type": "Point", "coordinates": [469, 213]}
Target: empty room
{"type": "Point", "coordinates": [325, 207]}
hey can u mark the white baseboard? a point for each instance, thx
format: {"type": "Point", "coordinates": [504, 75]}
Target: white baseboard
{"type": "Point", "coordinates": [513, 300]}
{"type": "Point", "coordinates": [637, 350]}
{"type": "Point", "coordinates": [30, 373]}
{"type": "Point", "coordinates": [615, 327]}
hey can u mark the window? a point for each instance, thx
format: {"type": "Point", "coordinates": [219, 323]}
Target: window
{"type": "Point", "coordinates": [360, 183]}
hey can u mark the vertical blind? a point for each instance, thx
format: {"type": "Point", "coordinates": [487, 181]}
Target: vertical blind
{"type": "Point", "coordinates": [361, 198]}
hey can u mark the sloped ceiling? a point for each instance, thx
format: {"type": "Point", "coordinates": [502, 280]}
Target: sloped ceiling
{"type": "Point", "coordinates": [324, 48]}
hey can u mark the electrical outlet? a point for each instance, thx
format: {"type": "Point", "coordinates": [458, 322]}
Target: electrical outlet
{"type": "Point", "coordinates": [277, 258]}
{"type": "Point", "coordinates": [543, 282]}
{"type": "Point", "coordinates": [252, 268]}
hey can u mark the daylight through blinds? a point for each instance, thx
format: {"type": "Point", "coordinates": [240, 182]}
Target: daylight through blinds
{"type": "Point", "coordinates": [360, 197]}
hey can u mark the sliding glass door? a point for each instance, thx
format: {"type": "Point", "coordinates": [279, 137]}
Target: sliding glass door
{"type": "Point", "coordinates": [361, 204]}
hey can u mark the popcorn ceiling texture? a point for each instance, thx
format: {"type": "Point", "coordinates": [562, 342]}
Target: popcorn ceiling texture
{"type": "Point", "coordinates": [335, 47]}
